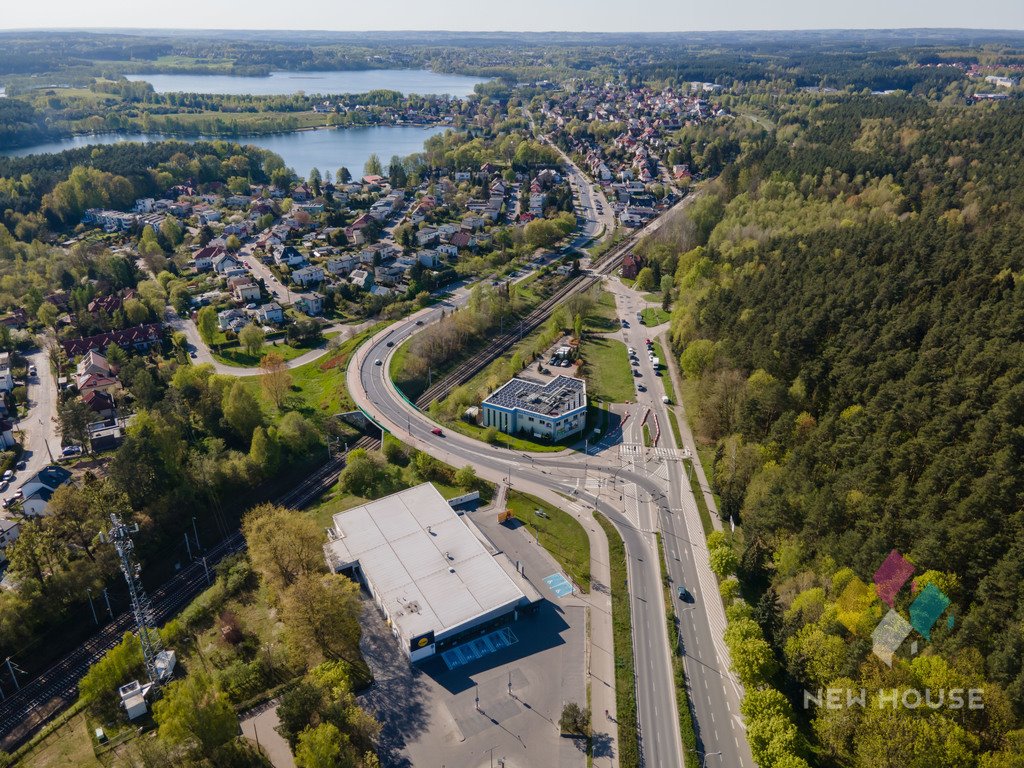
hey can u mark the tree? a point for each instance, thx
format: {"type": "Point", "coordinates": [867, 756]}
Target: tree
{"type": "Point", "coordinates": [645, 280]}
{"type": "Point", "coordinates": [276, 380]}
{"type": "Point", "coordinates": [265, 451]}
{"type": "Point", "coordinates": [193, 712]}
{"type": "Point", "coordinates": [373, 166]}
{"type": "Point", "coordinates": [233, 244]}
{"type": "Point", "coordinates": [136, 312]}
{"type": "Point", "coordinates": [252, 337]}
{"type": "Point", "coordinates": [344, 176]}
{"type": "Point", "coordinates": [321, 747]}
{"type": "Point", "coordinates": [47, 314]}
{"type": "Point", "coordinates": [321, 616]}
{"type": "Point", "coordinates": [297, 434]}
{"type": "Point", "coordinates": [466, 477]}
{"type": "Point", "coordinates": [119, 665]}
{"type": "Point", "coordinates": [206, 321]}
{"type": "Point", "coordinates": [367, 475]}
{"type": "Point", "coordinates": [574, 719]}
{"type": "Point", "coordinates": [397, 174]}
{"type": "Point", "coordinates": [241, 410]}
{"type": "Point", "coordinates": [283, 545]}
{"type": "Point", "coordinates": [73, 418]}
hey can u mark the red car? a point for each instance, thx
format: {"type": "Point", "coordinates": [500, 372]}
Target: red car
{"type": "Point", "coordinates": [437, 431]}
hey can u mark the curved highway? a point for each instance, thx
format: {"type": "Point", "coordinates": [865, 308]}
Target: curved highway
{"type": "Point", "coordinates": [659, 500]}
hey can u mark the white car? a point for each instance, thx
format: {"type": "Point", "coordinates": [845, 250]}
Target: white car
{"type": "Point", "coordinates": [665, 400]}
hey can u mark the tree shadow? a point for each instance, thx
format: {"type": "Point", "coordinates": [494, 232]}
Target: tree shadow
{"type": "Point", "coordinates": [397, 696]}
{"type": "Point", "coordinates": [601, 745]}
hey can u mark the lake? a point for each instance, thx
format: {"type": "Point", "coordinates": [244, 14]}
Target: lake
{"type": "Point", "coordinates": [327, 149]}
{"type": "Point", "coordinates": [406, 81]}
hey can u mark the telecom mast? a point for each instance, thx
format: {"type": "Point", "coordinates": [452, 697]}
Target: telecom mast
{"type": "Point", "coordinates": [120, 535]}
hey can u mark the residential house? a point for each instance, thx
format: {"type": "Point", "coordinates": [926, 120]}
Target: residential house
{"type": "Point", "coordinates": [246, 292]}
{"type": "Point", "coordinates": [448, 250]}
{"type": "Point", "coordinates": [425, 236]}
{"type": "Point", "coordinates": [430, 259]}
{"type": "Point", "coordinates": [93, 362]}
{"type": "Point", "coordinates": [360, 278]}
{"type": "Point", "coordinates": [9, 531]}
{"type": "Point", "coordinates": [289, 255]}
{"type": "Point", "coordinates": [342, 265]}
{"type": "Point", "coordinates": [631, 265]}
{"type": "Point", "coordinates": [203, 260]}
{"type": "Point", "coordinates": [6, 378]}
{"type": "Point", "coordinates": [354, 233]}
{"type": "Point", "coordinates": [461, 240]}
{"type": "Point", "coordinates": [7, 434]}
{"type": "Point", "coordinates": [138, 337]}
{"type": "Point", "coordinates": [231, 319]}
{"type": "Point", "coordinates": [225, 263]}
{"type": "Point", "coordinates": [308, 275]}
{"type": "Point", "coordinates": [310, 303]}
{"type": "Point", "coordinates": [38, 489]}
{"type": "Point", "coordinates": [101, 403]}
{"type": "Point", "coordinates": [270, 313]}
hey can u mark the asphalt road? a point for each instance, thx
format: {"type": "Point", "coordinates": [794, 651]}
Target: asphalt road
{"type": "Point", "coordinates": [640, 494]}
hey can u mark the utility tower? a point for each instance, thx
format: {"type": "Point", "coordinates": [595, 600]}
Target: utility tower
{"type": "Point", "coordinates": [120, 535]}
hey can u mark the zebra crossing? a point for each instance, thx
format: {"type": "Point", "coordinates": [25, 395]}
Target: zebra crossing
{"type": "Point", "coordinates": [638, 449]}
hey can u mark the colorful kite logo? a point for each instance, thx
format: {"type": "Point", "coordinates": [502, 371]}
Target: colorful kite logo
{"type": "Point", "coordinates": [890, 633]}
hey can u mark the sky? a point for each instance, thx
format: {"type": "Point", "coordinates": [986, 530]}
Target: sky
{"type": "Point", "coordinates": [516, 15]}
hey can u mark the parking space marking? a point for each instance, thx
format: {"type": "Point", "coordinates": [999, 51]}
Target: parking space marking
{"type": "Point", "coordinates": [558, 584]}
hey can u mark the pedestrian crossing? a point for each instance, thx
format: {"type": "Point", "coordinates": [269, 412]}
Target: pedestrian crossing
{"type": "Point", "coordinates": [660, 452]}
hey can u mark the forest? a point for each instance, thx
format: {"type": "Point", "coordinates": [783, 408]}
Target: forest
{"type": "Point", "coordinates": [849, 319]}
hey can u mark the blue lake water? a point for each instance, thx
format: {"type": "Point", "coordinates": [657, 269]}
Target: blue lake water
{"type": "Point", "coordinates": [328, 149]}
{"type": "Point", "coordinates": [419, 81]}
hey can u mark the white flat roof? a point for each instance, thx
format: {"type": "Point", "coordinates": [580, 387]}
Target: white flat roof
{"type": "Point", "coordinates": [438, 579]}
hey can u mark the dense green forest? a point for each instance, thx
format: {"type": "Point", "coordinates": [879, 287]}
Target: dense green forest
{"type": "Point", "coordinates": [850, 317]}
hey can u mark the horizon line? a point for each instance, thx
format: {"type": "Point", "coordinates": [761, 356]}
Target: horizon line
{"type": "Point", "coordinates": [509, 31]}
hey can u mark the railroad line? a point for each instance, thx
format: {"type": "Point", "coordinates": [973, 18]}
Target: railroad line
{"type": "Point", "coordinates": [25, 711]}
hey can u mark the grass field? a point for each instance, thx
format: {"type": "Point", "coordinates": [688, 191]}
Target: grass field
{"type": "Point", "coordinates": [674, 424]}
{"type": "Point", "coordinates": [654, 316]}
{"type": "Point", "coordinates": [606, 368]}
{"type": "Point", "coordinates": [512, 442]}
{"type": "Point", "coordinates": [238, 356]}
{"type": "Point", "coordinates": [559, 533]}
{"type": "Point", "coordinates": [319, 386]}
{"type": "Point", "coordinates": [69, 746]}
{"type": "Point", "coordinates": [605, 316]}
{"type": "Point", "coordinates": [622, 634]}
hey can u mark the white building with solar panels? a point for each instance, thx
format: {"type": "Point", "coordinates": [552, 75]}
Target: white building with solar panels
{"type": "Point", "coordinates": [555, 410]}
{"type": "Point", "coordinates": [434, 579]}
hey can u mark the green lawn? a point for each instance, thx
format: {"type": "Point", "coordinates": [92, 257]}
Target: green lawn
{"type": "Point", "coordinates": [70, 745]}
{"type": "Point", "coordinates": [605, 316]}
{"type": "Point", "coordinates": [647, 436]}
{"type": "Point", "coordinates": [674, 423]}
{"type": "Point", "coordinates": [654, 316]}
{"type": "Point", "coordinates": [319, 386]}
{"type": "Point", "coordinates": [559, 533]}
{"type": "Point", "coordinates": [239, 357]}
{"type": "Point", "coordinates": [606, 368]}
{"type": "Point", "coordinates": [622, 634]}
{"type": "Point", "coordinates": [512, 442]}
{"type": "Point", "coordinates": [702, 505]}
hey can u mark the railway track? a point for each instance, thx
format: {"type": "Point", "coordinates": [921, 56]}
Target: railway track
{"type": "Point", "coordinates": [25, 711]}
{"type": "Point", "coordinates": [500, 344]}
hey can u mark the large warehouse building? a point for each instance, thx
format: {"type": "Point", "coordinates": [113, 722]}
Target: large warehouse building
{"type": "Point", "coordinates": [433, 578]}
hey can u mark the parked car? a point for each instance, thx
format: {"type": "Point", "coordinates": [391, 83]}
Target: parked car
{"type": "Point", "coordinates": [641, 388]}
{"type": "Point", "coordinates": [21, 464]}
{"type": "Point", "coordinates": [9, 475]}
{"type": "Point", "coordinates": [4, 485]}
{"type": "Point", "coordinates": [31, 370]}
{"type": "Point", "coordinates": [665, 400]}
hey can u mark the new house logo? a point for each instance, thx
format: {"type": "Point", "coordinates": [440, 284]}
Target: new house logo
{"type": "Point", "coordinates": [860, 600]}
